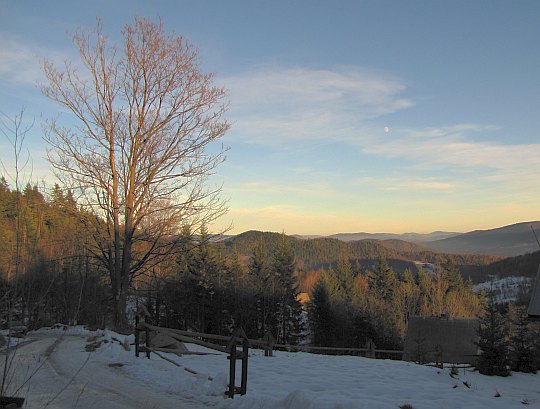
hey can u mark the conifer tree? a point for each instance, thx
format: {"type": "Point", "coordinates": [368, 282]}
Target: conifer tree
{"type": "Point", "coordinates": [407, 299]}
{"type": "Point", "coordinates": [320, 314]}
{"type": "Point", "coordinates": [345, 276]}
{"type": "Point", "coordinates": [521, 341]}
{"type": "Point", "coordinates": [383, 280]}
{"type": "Point", "coordinates": [259, 270]}
{"type": "Point", "coordinates": [204, 268]}
{"type": "Point", "coordinates": [289, 309]}
{"type": "Point", "coordinates": [493, 341]}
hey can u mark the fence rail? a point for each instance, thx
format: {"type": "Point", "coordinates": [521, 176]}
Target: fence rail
{"type": "Point", "coordinates": [268, 343]}
{"type": "Point", "coordinates": [310, 348]}
{"type": "Point", "coordinates": [239, 338]}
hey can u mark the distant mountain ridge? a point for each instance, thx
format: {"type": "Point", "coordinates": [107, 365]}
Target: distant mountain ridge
{"type": "Point", "coordinates": [507, 241]}
{"type": "Point", "coordinates": [324, 252]}
{"type": "Point", "coordinates": [410, 237]}
{"type": "Point", "coordinates": [505, 251]}
{"type": "Point", "coordinates": [512, 240]}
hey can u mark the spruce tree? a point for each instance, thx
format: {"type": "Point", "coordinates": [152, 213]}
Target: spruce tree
{"type": "Point", "coordinates": [383, 280]}
{"type": "Point", "coordinates": [289, 309]}
{"type": "Point", "coordinates": [204, 268]}
{"type": "Point", "coordinates": [345, 276]}
{"type": "Point", "coordinates": [259, 270]}
{"type": "Point", "coordinates": [493, 342]}
{"type": "Point", "coordinates": [522, 341]}
{"type": "Point", "coordinates": [321, 319]}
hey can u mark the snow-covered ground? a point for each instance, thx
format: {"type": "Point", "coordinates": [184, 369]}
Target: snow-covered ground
{"type": "Point", "coordinates": [506, 289]}
{"type": "Point", "coordinates": [64, 375]}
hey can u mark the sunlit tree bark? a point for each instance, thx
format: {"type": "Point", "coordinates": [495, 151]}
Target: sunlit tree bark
{"type": "Point", "coordinates": [137, 150]}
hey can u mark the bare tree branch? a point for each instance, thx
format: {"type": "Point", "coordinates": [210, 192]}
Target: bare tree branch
{"type": "Point", "coordinates": [145, 115]}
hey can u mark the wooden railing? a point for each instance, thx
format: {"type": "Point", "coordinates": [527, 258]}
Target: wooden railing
{"type": "Point", "coordinates": [239, 338]}
{"type": "Point", "coordinates": [268, 344]}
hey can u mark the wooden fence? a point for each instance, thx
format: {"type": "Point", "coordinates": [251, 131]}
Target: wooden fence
{"type": "Point", "coordinates": [229, 344]}
{"type": "Point", "coordinates": [232, 342]}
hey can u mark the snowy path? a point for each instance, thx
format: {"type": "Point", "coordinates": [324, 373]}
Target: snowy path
{"type": "Point", "coordinates": [66, 378]}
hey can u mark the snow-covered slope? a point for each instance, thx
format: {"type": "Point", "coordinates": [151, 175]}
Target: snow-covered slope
{"type": "Point", "coordinates": [111, 377]}
{"type": "Point", "coordinates": [507, 289]}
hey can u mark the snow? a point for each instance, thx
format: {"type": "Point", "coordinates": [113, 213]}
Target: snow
{"type": "Point", "coordinates": [68, 376]}
{"type": "Point", "coordinates": [506, 289]}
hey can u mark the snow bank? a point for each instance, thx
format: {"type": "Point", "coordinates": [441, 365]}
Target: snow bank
{"type": "Point", "coordinates": [286, 381]}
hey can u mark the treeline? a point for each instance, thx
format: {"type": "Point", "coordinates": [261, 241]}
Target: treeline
{"type": "Point", "coordinates": [350, 305]}
{"type": "Point", "coordinates": [509, 340]}
{"type": "Point", "coordinates": [47, 273]}
{"type": "Point", "coordinates": [204, 290]}
{"type": "Point", "coordinates": [210, 287]}
{"type": "Point", "coordinates": [50, 273]}
{"type": "Point", "coordinates": [313, 254]}
{"type": "Point", "coordinates": [525, 265]}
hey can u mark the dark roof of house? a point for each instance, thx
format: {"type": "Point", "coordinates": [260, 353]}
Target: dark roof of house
{"type": "Point", "coordinates": [534, 304]}
{"type": "Point", "coordinates": [436, 339]}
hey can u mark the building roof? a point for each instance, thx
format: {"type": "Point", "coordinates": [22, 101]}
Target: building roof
{"type": "Point", "coordinates": [534, 304]}
{"type": "Point", "coordinates": [436, 339]}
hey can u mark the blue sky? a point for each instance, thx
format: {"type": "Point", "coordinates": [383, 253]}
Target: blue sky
{"type": "Point", "coordinates": [348, 116]}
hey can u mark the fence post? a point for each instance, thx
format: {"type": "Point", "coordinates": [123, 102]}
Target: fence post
{"type": "Point", "coordinates": [245, 354]}
{"type": "Point", "coordinates": [233, 355]}
{"type": "Point", "coordinates": [137, 336]}
{"type": "Point", "coordinates": [147, 333]}
{"type": "Point", "coordinates": [269, 346]}
{"type": "Point", "coordinates": [439, 356]}
{"type": "Point", "coordinates": [370, 345]}
{"type": "Point", "coordinates": [232, 369]}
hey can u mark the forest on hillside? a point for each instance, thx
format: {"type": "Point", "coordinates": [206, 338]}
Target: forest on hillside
{"type": "Point", "coordinates": [49, 264]}
{"type": "Point", "coordinates": [314, 254]}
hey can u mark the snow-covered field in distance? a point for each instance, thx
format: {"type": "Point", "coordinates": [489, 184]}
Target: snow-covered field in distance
{"type": "Point", "coordinates": [506, 289]}
{"type": "Point", "coordinates": [69, 377]}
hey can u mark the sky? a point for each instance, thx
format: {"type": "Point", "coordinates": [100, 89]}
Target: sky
{"type": "Point", "coordinates": [347, 116]}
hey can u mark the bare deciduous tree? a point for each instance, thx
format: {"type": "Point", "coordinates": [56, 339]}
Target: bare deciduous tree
{"type": "Point", "coordinates": [138, 153]}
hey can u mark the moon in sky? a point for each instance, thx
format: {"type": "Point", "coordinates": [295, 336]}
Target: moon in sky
{"type": "Point", "coordinates": [386, 129]}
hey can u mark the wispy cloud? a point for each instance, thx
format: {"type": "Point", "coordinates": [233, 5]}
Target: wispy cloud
{"type": "Point", "coordinates": [270, 187]}
{"type": "Point", "coordinates": [272, 105]}
{"type": "Point", "coordinates": [20, 60]}
{"type": "Point", "coordinates": [408, 183]}
{"type": "Point", "coordinates": [455, 148]}
{"type": "Point", "coordinates": [470, 161]}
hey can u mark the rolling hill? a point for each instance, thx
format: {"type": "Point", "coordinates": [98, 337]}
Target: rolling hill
{"type": "Point", "coordinates": [410, 237]}
{"type": "Point", "coordinates": [502, 251]}
{"type": "Point", "coordinates": [512, 240]}
{"type": "Point", "coordinates": [324, 252]}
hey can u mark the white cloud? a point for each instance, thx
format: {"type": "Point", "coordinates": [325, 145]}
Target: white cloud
{"type": "Point", "coordinates": [455, 151]}
{"type": "Point", "coordinates": [409, 183]}
{"type": "Point", "coordinates": [455, 146]}
{"type": "Point", "coordinates": [20, 59]}
{"type": "Point", "coordinates": [270, 187]}
{"type": "Point", "coordinates": [421, 185]}
{"type": "Point", "coordinates": [273, 104]}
